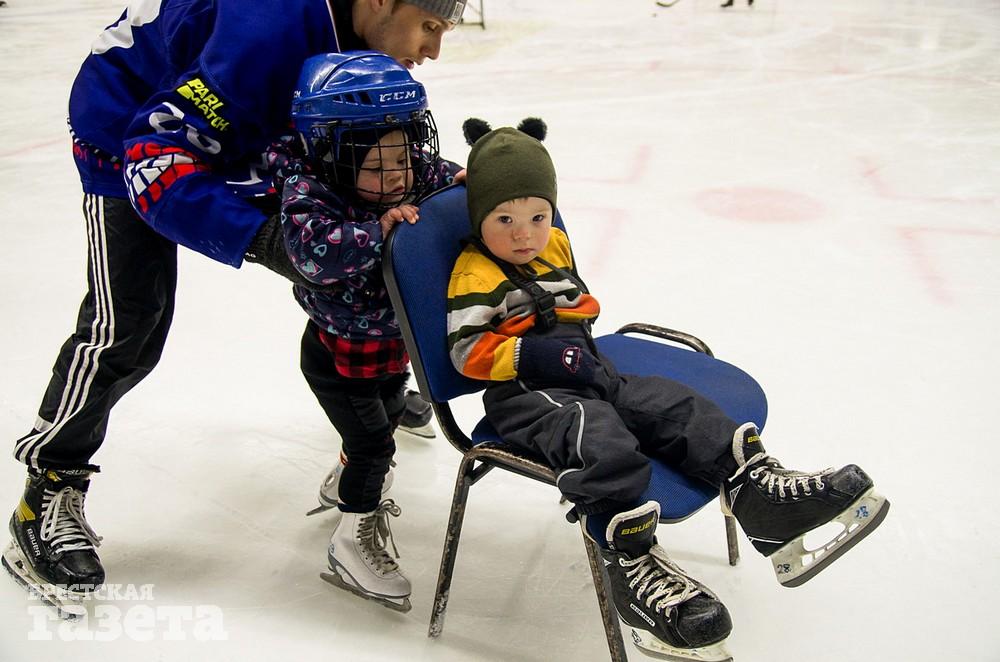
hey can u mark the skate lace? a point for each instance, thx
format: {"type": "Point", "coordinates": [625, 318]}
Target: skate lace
{"type": "Point", "coordinates": [63, 521]}
{"type": "Point", "coordinates": [658, 581]}
{"type": "Point", "coordinates": [374, 532]}
{"type": "Point", "coordinates": [787, 483]}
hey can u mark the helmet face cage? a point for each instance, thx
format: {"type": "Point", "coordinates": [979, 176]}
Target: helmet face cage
{"type": "Point", "coordinates": [398, 150]}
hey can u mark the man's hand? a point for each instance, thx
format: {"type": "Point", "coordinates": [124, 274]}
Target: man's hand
{"type": "Point", "coordinates": [408, 213]}
{"type": "Point", "coordinates": [268, 248]}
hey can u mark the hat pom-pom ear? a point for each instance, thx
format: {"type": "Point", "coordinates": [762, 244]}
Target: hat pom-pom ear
{"type": "Point", "coordinates": [474, 129]}
{"type": "Point", "coordinates": [534, 127]}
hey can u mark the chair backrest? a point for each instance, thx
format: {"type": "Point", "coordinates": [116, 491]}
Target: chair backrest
{"type": "Point", "coordinates": [417, 266]}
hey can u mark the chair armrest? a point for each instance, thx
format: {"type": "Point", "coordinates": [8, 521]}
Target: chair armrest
{"type": "Point", "coordinates": [667, 334]}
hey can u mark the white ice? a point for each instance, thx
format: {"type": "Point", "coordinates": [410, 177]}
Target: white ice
{"type": "Point", "coordinates": [811, 187]}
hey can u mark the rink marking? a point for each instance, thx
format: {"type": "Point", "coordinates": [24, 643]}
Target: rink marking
{"type": "Point", "coordinates": [915, 239]}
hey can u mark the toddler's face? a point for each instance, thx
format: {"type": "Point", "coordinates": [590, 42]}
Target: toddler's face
{"type": "Point", "coordinates": [516, 231]}
{"type": "Point", "coordinates": [386, 176]}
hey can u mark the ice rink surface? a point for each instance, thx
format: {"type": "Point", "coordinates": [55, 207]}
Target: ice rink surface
{"type": "Point", "coordinates": [813, 188]}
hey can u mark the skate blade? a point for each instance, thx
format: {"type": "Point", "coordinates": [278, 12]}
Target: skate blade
{"type": "Point", "coordinates": [794, 565]}
{"type": "Point", "coordinates": [322, 508]}
{"type": "Point", "coordinates": [66, 607]}
{"type": "Point", "coordinates": [396, 604]}
{"type": "Point", "coordinates": [423, 431]}
{"type": "Point", "coordinates": [653, 646]}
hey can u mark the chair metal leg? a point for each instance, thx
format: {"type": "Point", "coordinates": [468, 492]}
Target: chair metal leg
{"type": "Point", "coordinates": [451, 538]}
{"type": "Point", "coordinates": [616, 646]}
{"type": "Point", "coordinates": [732, 539]}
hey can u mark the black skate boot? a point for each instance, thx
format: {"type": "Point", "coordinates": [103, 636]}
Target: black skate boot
{"type": "Point", "coordinates": [417, 416]}
{"type": "Point", "coordinates": [671, 615]}
{"type": "Point", "coordinates": [777, 507]}
{"type": "Point", "coordinates": [53, 553]}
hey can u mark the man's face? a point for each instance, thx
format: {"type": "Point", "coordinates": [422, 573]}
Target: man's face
{"type": "Point", "coordinates": [407, 33]}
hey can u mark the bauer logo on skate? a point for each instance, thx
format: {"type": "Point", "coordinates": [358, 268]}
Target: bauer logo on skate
{"type": "Point", "coordinates": [632, 530]}
{"type": "Point", "coordinates": [642, 614]}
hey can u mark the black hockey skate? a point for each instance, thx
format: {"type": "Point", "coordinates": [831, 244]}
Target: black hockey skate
{"type": "Point", "coordinates": [417, 416]}
{"type": "Point", "coordinates": [53, 554]}
{"type": "Point", "coordinates": [672, 616]}
{"type": "Point", "coordinates": [777, 507]}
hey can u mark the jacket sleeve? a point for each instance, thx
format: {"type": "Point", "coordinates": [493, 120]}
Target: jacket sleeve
{"type": "Point", "coordinates": [481, 343]}
{"type": "Point", "coordinates": [326, 239]}
{"type": "Point", "coordinates": [216, 111]}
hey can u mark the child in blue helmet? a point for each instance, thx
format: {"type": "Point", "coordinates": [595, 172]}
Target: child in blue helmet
{"type": "Point", "coordinates": [365, 152]}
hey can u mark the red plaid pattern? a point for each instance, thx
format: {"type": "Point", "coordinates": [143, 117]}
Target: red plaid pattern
{"type": "Point", "coordinates": [371, 357]}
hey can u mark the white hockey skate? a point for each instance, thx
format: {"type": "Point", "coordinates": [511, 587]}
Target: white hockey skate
{"type": "Point", "coordinates": [329, 491]}
{"type": "Point", "coordinates": [778, 507]}
{"type": "Point", "coordinates": [67, 604]}
{"type": "Point", "coordinates": [358, 560]}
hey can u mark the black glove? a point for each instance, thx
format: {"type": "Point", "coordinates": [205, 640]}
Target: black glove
{"type": "Point", "coordinates": [267, 248]}
{"type": "Point", "coordinates": [554, 361]}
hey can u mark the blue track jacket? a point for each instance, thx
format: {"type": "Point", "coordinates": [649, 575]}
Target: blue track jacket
{"type": "Point", "coordinates": [178, 96]}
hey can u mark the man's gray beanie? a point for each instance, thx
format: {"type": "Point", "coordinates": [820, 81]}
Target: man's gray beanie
{"type": "Point", "coordinates": [449, 10]}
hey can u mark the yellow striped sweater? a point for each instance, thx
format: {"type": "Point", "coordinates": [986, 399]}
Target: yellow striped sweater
{"type": "Point", "coordinates": [487, 313]}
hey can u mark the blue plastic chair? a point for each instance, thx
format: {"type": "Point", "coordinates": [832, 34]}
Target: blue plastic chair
{"type": "Point", "coordinates": [417, 265]}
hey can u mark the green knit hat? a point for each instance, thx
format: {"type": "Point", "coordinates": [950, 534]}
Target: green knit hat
{"type": "Point", "coordinates": [506, 164]}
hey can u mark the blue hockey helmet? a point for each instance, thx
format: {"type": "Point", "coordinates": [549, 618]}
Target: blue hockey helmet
{"type": "Point", "coordinates": [346, 104]}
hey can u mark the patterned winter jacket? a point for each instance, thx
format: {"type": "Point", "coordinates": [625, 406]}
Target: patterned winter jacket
{"type": "Point", "coordinates": [330, 240]}
{"type": "Point", "coordinates": [488, 314]}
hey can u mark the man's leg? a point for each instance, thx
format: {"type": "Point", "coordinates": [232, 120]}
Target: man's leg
{"type": "Point", "coordinates": [121, 328]}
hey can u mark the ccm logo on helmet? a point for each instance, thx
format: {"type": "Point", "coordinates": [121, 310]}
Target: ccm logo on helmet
{"type": "Point", "coordinates": [405, 95]}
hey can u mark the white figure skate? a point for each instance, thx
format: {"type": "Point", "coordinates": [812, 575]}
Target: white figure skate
{"type": "Point", "coordinates": [358, 560]}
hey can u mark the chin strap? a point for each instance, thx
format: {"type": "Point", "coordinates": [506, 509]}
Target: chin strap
{"type": "Point", "coordinates": [545, 301]}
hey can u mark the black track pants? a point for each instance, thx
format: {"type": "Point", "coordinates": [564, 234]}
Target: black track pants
{"type": "Point", "coordinates": [120, 332]}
